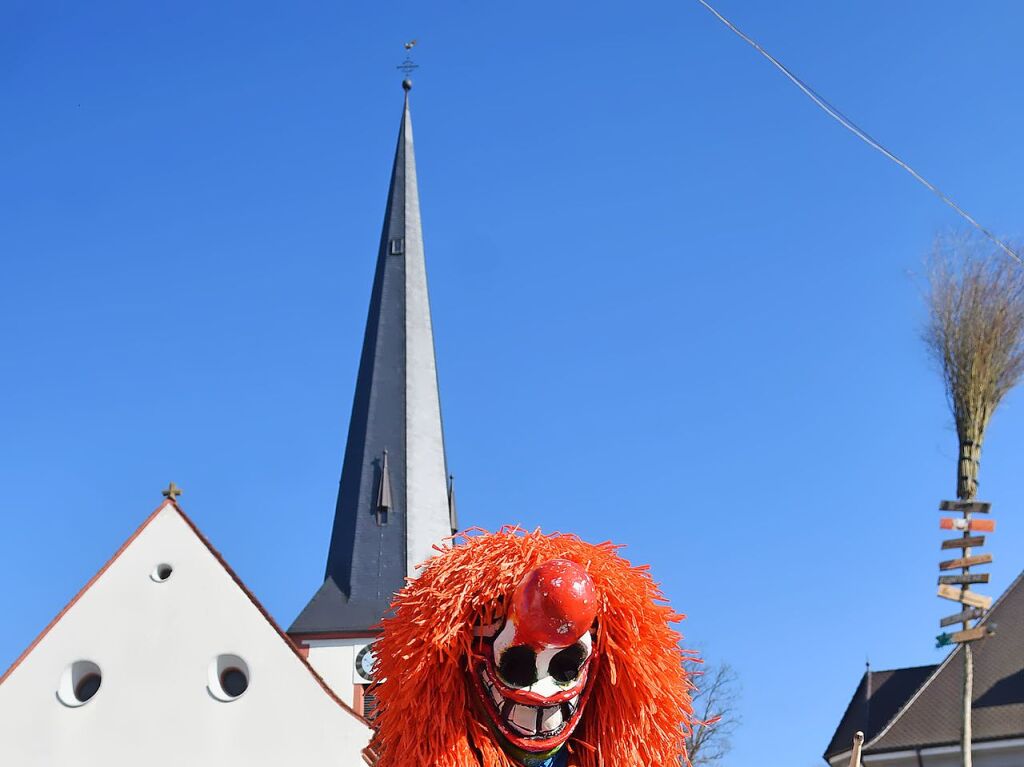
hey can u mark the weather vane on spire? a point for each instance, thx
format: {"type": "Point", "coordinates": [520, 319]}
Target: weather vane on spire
{"type": "Point", "coordinates": [408, 66]}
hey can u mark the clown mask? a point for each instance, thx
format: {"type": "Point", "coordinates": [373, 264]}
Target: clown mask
{"type": "Point", "coordinates": [533, 669]}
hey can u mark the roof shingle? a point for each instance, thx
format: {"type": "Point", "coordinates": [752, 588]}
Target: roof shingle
{"type": "Point", "coordinates": [920, 707]}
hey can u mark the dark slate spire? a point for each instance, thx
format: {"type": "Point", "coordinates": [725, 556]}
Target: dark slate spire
{"type": "Point", "coordinates": [393, 502]}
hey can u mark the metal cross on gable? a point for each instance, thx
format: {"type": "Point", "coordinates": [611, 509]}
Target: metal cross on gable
{"type": "Point", "coordinates": [172, 492]}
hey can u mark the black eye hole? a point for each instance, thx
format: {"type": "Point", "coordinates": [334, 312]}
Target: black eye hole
{"type": "Point", "coordinates": [518, 666]}
{"type": "Point", "coordinates": [565, 665]}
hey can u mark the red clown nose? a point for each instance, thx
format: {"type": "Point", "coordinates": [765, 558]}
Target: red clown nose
{"type": "Point", "coordinates": [554, 605]}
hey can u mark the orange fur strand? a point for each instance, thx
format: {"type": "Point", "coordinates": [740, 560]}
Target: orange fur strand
{"type": "Point", "coordinates": [639, 709]}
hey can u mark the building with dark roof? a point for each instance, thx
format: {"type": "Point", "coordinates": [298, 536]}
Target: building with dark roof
{"type": "Point", "coordinates": [911, 717]}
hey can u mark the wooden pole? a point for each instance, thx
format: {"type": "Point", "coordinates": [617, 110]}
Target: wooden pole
{"type": "Point", "coordinates": [967, 489]}
{"type": "Point", "coordinates": [858, 741]}
{"type": "Point", "coordinates": [965, 741]}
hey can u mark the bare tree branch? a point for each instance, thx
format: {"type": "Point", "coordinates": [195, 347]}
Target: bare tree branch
{"type": "Point", "coordinates": [716, 708]}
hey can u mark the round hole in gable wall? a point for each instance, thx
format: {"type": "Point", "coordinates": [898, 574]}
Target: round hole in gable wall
{"type": "Point", "coordinates": [79, 683]}
{"type": "Point", "coordinates": [87, 686]}
{"type": "Point", "coordinates": [228, 677]}
{"type": "Point", "coordinates": [234, 681]}
{"type": "Point", "coordinates": [161, 572]}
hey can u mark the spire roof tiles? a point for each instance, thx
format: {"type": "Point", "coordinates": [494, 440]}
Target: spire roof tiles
{"type": "Point", "coordinates": [395, 411]}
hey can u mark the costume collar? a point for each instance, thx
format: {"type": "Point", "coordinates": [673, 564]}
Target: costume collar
{"type": "Point", "coordinates": [558, 759]}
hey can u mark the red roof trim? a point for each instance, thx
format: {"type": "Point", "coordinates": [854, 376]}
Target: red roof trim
{"type": "Point", "coordinates": [299, 636]}
{"type": "Point", "coordinates": [256, 603]}
{"type": "Point", "coordinates": [238, 581]}
{"type": "Point", "coordinates": [82, 591]}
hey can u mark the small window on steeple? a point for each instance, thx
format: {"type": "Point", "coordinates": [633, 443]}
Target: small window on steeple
{"type": "Point", "coordinates": [383, 505]}
{"type": "Point", "coordinates": [397, 246]}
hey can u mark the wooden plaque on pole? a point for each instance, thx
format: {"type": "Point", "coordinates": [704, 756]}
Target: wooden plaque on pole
{"type": "Point", "coordinates": [967, 507]}
{"type": "Point", "coordinates": [964, 543]}
{"type": "Point", "coordinates": [970, 614]}
{"type": "Point", "coordinates": [974, 525]}
{"type": "Point", "coordinates": [952, 564]}
{"type": "Point", "coordinates": [964, 579]}
{"type": "Point", "coordinates": [965, 597]}
{"type": "Point", "coordinates": [970, 635]}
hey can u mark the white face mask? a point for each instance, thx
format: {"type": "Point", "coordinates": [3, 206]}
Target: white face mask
{"type": "Point", "coordinates": [534, 675]}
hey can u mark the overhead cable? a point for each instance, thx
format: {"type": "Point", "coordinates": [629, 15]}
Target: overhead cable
{"type": "Point", "coordinates": [862, 134]}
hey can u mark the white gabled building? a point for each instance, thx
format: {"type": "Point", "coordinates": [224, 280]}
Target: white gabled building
{"type": "Point", "coordinates": [165, 658]}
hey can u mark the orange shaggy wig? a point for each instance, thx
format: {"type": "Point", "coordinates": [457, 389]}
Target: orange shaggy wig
{"type": "Point", "coordinates": [639, 706]}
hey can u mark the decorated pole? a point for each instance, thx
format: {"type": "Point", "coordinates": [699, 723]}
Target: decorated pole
{"type": "Point", "coordinates": [957, 587]}
{"type": "Point", "coordinates": [975, 334]}
{"type": "Point", "coordinates": [977, 604]}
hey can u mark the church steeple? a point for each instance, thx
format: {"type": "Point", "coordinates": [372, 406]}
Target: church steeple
{"type": "Point", "coordinates": [393, 503]}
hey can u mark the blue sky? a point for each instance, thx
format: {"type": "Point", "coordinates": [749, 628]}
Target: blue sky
{"type": "Point", "coordinates": [675, 306]}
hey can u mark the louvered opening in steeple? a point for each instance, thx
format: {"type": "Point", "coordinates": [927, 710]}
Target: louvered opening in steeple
{"type": "Point", "coordinates": [383, 491]}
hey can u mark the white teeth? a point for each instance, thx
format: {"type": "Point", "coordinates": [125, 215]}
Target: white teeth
{"type": "Point", "coordinates": [537, 721]}
{"type": "Point", "coordinates": [552, 719]}
{"type": "Point", "coordinates": [525, 718]}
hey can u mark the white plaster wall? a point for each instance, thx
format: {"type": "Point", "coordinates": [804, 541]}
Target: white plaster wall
{"type": "Point", "coordinates": [154, 642]}
{"type": "Point", "coordinates": [334, 660]}
{"type": "Point", "coordinates": [1009, 753]}
{"type": "Point", "coordinates": [981, 758]}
